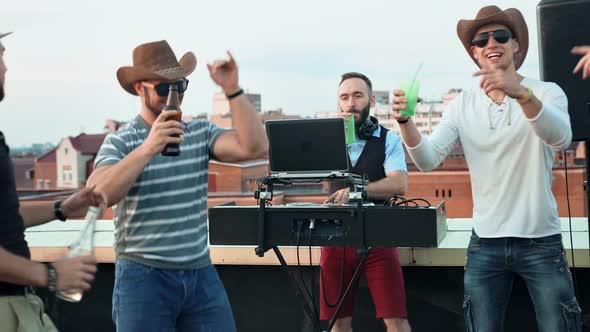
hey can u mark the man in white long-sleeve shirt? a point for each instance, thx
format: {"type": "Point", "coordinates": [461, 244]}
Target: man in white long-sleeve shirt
{"type": "Point", "coordinates": [510, 127]}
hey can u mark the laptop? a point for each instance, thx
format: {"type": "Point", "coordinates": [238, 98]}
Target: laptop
{"type": "Point", "coordinates": [307, 148]}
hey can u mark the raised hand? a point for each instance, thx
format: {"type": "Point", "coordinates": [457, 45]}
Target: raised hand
{"type": "Point", "coordinates": [225, 74]}
{"type": "Point", "coordinates": [494, 78]}
{"type": "Point", "coordinates": [584, 63]}
{"type": "Point", "coordinates": [400, 103]}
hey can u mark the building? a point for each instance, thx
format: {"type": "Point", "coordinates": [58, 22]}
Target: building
{"type": "Point", "coordinates": [426, 117]}
{"type": "Point", "coordinates": [381, 97]}
{"type": "Point", "coordinates": [23, 168]}
{"type": "Point", "coordinates": [236, 177]}
{"type": "Point", "coordinates": [75, 159]}
{"type": "Point", "coordinates": [45, 173]}
{"type": "Point", "coordinates": [277, 114]}
{"type": "Point", "coordinates": [221, 115]}
{"type": "Point", "coordinates": [326, 114]}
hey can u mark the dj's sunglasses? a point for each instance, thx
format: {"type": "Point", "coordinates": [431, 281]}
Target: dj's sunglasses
{"type": "Point", "coordinates": [502, 36]}
{"type": "Point", "coordinates": [162, 89]}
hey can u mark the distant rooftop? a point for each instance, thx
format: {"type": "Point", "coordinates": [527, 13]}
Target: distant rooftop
{"type": "Point", "coordinates": [48, 157]}
{"type": "Point", "coordinates": [87, 144]}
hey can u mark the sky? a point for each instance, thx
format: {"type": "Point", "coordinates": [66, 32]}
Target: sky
{"type": "Point", "coordinates": [63, 55]}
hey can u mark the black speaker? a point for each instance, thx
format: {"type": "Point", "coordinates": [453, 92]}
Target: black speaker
{"type": "Point", "coordinates": [562, 25]}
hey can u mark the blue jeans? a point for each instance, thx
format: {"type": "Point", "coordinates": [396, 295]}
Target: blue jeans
{"type": "Point", "coordinates": [541, 262]}
{"type": "Point", "coordinates": [151, 299]}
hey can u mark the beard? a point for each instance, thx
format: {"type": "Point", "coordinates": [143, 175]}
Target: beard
{"type": "Point", "coordinates": [364, 116]}
{"type": "Point", "coordinates": [152, 108]}
{"type": "Point", "coordinates": [155, 110]}
{"type": "Point", "coordinates": [1, 92]}
{"type": "Point", "coordinates": [148, 103]}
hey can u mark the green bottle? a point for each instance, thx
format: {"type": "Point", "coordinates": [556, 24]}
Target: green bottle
{"type": "Point", "coordinates": [349, 129]}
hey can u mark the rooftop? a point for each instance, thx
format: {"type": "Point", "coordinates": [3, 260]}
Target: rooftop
{"type": "Point", "coordinates": [87, 144]}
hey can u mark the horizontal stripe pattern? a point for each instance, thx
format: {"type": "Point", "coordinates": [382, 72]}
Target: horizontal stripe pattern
{"type": "Point", "coordinates": [192, 190]}
{"type": "Point", "coordinates": [162, 220]}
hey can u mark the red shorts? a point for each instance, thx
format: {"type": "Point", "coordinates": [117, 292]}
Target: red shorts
{"type": "Point", "coordinates": [384, 277]}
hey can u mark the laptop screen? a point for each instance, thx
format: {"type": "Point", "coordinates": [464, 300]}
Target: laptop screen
{"type": "Point", "coordinates": [307, 146]}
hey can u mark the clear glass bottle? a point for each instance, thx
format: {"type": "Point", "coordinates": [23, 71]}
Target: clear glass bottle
{"type": "Point", "coordinates": [83, 246]}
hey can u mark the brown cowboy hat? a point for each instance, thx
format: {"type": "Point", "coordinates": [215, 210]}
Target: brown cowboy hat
{"type": "Point", "coordinates": [155, 61]}
{"type": "Point", "coordinates": [511, 17]}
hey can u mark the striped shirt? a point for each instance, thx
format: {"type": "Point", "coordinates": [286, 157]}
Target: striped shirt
{"type": "Point", "coordinates": [162, 221]}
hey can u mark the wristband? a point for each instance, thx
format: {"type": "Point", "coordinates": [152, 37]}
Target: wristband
{"type": "Point", "coordinates": [527, 98]}
{"type": "Point", "coordinates": [58, 211]}
{"type": "Point", "coordinates": [403, 121]}
{"type": "Point", "coordinates": [51, 277]}
{"type": "Point", "coordinates": [235, 94]}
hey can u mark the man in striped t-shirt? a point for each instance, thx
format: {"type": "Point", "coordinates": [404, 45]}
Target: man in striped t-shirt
{"type": "Point", "coordinates": [164, 278]}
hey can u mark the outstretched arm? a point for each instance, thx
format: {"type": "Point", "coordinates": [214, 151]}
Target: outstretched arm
{"type": "Point", "coordinates": [75, 206]}
{"type": "Point", "coordinates": [248, 141]}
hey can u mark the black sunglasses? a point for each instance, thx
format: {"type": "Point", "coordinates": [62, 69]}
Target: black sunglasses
{"type": "Point", "coordinates": [502, 36]}
{"type": "Point", "coordinates": [162, 89]}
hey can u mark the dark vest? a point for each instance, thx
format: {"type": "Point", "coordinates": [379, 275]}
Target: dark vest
{"type": "Point", "coordinates": [370, 162]}
{"type": "Point", "coordinates": [12, 229]}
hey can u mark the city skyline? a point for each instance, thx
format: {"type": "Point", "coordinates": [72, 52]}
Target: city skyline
{"type": "Point", "coordinates": [62, 59]}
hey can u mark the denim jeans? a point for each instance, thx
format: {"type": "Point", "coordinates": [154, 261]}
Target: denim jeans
{"type": "Point", "coordinates": [151, 299]}
{"type": "Point", "coordinates": [489, 271]}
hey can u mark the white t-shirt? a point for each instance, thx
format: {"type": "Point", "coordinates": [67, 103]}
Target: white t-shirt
{"type": "Point", "coordinates": [509, 158]}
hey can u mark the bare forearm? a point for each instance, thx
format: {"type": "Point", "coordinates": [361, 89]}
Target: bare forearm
{"type": "Point", "coordinates": [36, 213]}
{"type": "Point", "coordinates": [388, 187]}
{"type": "Point", "coordinates": [21, 271]}
{"type": "Point", "coordinates": [249, 129]}
{"type": "Point", "coordinates": [116, 181]}
{"type": "Point", "coordinates": [410, 133]}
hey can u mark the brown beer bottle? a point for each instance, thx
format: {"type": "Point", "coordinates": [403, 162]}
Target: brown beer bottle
{"type": "Point", "coordinates": [173, 104]}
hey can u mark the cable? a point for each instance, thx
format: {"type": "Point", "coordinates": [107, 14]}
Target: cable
{"type": "Point", "coordinates": [415, 200]}
{"type": "Point", "coordinates": [340, 293]}
{"type": "Point", "coordinates": [393, 201]}
{"type": "Point", "coordinates": [300, 267]}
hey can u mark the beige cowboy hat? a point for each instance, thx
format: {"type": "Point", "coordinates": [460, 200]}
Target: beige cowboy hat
{"type": "Point", "coordinates": [511, 17]}
{"type": "Point", "coordinates": [155, 61]}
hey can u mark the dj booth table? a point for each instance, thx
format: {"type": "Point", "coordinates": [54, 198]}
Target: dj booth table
{"type": "Point", "coordinates": [334, 225]}
{"type": "Point", "coordinates": [359, 225]}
